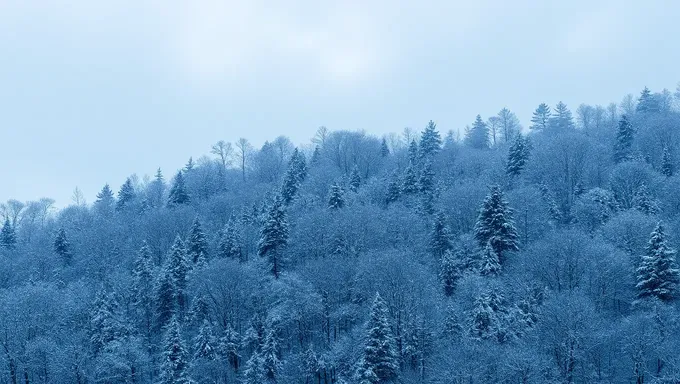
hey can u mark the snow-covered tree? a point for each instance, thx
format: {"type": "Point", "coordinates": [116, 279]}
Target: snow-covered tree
{"type": "Point", "coordinates": [426, 186]}
{"type": "Point", "coordinates": [254, 371]}
{"type": "Point", "coordinates": [228, 346]}
{"type": "Point", "coordinates": [451, 270]}
{"type": "Point", "coordinates": [409, 183]}
{"type": "Point", "coordinates": [197, 244]}
{"type": "Point", "coordinates": [274, 236]}
{"type": "Point", "coordinates": [8, 237]}
{"type": "Point", "coordinates": [165, 298]}
{"type": "Point", "coordinates": [380, 361]}
{"type": "Point", "coordinates": [142, 287]}
{"type": "Point", "coordinates": [667, 167]}
{"type": "Point", "coordinates": [541, 118]}
{"type": "Point", "coordinates": [393, 188]}
{"type": "Point", "coordinates": [205, 344]}
{"type": "Point", "coordinates": [295, 175]}
{"type": "Point", "coordinates": [174, 364]}
{"type": "Point", "coordinates": [62, 247]}
{"type": "Point", "coordinates": [488, 318]}
{"type": "Point", "coordinates": [440, 238]}
{"type": "Point", "coordinates": [658, 275]}
{"type": "Point", "coordinates": [336, 197]}
{"type": "Point", "coordinates": [384, 148]}
{"type": "Point", "coordinates": [270, 356]}
{"type": "Point", "coordinates": [647, 102]}
{"type": "Point", "coordinates": [178, 192]}
{"type": "Point", "coordinates": [489, 264]}
{"type": "Point", "coordinates": [126, 195]}
{"type": "Point", "coordinates": [562, 120]}
{"type": "Point", "coordinates": [230, 241]}
{"type": "Point", "coordinates": [644, 202]}
{"type": "Point", "coordinates": [624, 141]}
{"type": "Point", "coordinates": [478, 135]}
{"type": "Point", "coordinates": [518, 155]}
{"type": "Point", "coordinates": [105, 201]}
{"type": "Point", "coordinates": [413, 152]}
{"type": "Point", "coordinates": [178, 266]}
{"type": "Point", "coordinates": [105, 324]}
{"type": "Point", "coordinates": [495, 224]}
{"type": "Point", "coordinates": [430, 141]}
{"type": "Point", "coordinates": [354, 179]}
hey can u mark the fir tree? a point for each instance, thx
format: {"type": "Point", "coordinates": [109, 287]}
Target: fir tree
{"type": "Point", "coordinates": [228, 346]}
{"type": "Point", "coordinates": [562, 119]}
{"type": "Point", "coordinates": [518, 155]}
{"type": "Point", "coordinates": [316, 155]}
{"type": "Point", "coordinates": [430, 141]}
{"type": "Point", "coordinates": [495, 224]}
{"type": "Point", "coordinates": [393, 188]}
{"type": "Point", "coordinates": [354, 179]}
{"type": "Point", "coordinates": [489, 263]}
{"type": "Point", "coordinates": [142, 287]}
{"type": "Point", "coordinates": [644, 202]}
{"type": "Point", "coordinates": [156, 190]}
{"type": "Point", "coordinates": [105, 326]}
{"type": "Point", "coordinates": [165, 298]}
{"type": "Point", "coordinates": [658, 275]}
{"type": "Point", "coordinates": [8, 237]}
{"type": "Point", "coordinates": [379, 363]}
{"type": "Point", "coordinates": [190, 165]}
{"type": "Point", "coordinates": [178, 266]}
{"type": "Point", "coordinates": [254, 372]}
{"type": "Point", "coordinates": [624, 141]}
{"type": "Point", "coordinates": [126, 195]}
{"type": "Point", "coordinates": [541, 118]}
{"type": "Point", "coordinates": [274, 236]}
{"type": "Point", "coordinates": [409, 184]}
{"type": "Point", "coordinates": [62, 247]}
{"type": "Point", "coordinates": [488, 317]}
{"type": "Point", "coordinates": [197, 245]}
{"type": "Point", "coordinates": [105, 201]}
{"type": "Point", "coordinates": [178, 193]}
{"type": "Point", "coordinates": [647, 102]}
{"type": "Point", "coordinates": [451, 270]}
{"type": "Point", "coordinates": [270, 359]}
{"type": "Point", "coordinates": [413, 152]}
{"type": "Point", "coordinates": [667, 167]}
{"type": "Point", "coordinates": [426, 186]}
{"type": "Point", "coordinates": [440, 239]}
{"type": "Point", "coordinates": [200, 310]}
{"type": "Point", "coordinates": [205, 345]}
{"type": "Point", "coordinates": [336, 198]}
{"type": "Point", "coordinates": [230, 242]}
{"type": "Point", "coordinates": [384, 148]}
{"type": "Point", "coordinates": [295, 175]}
{"type": "Point", "coordinates": [174, 363]}
{"type": "Point", "coordinates": [478, 136]}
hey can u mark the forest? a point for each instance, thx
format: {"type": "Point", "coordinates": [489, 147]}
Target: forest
{"type": "Point", "coordinates": [497, 253]}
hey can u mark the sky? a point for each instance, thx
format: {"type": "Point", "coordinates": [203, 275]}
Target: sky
{"type": "Point", "coordinates": [94, 91]}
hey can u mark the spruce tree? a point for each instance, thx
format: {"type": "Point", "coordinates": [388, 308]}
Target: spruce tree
{"type": "Point", "coordinates": [270, 359]}
{"type": "Point", "coordinates": [178, 266]}
{"type": "Point", "coordinates": [174, 363]}
{"type": "Point", "coordinates": [126, 195]}
{"type": "Point", "coordinates": [518, 155]}
{"type": "Point", "coordinates": [354, 179]}
{"type": "Point", "coordinates": [440, 239]}
{"type": "Point", "coordinates": [413, 152]}
{"type": "Point", "coordinates": [178, 194]}
{"type": "Point", "coordinates": [380, 361]}
{"type": "Point", "coordinates": [409, 184]}
{"type": "Point", "coordinates": [486, 316]}
{"type": "Point", "coordinates": [489, 263]}
{"type": "Point", "coordinates": [478, 136]}
{"type": "Point", "coordinates": [105, 201]}
{"type": "Point", "coordinates": [384, 148]}
{"type": "Point", "coordinates": [316, 156]}
{"type": "Point", "coordinates": [228, 346]}
{"type": "Point", "coordinates": [62, 247]}
{"type": "Point", "coordinates": [142, 287]}
{"type": "Point", "coordinates": [644, 202]}
{"type": "Point", "coordinates": [254, 372]}
{"type": "Point", "coordinates": [336, 197]}
{"type": "Point", "coordinates": [667, 167]}
{"type": "Point", "coordinates": [205, 344]}
{"type": "Point", "coordinates": [541, 118]}
{"type": "Point", "coordinates": [274, 236]}
{"type": "Point", "coordinates": [561, 120]}
{"type": "Point", "coordinates": [156, 190]}
{"type": "Point", "coordinates": [197, 245]}
{"type": "Point", "coordinates": [430, 141]}
{"type": "Point", "coordinates": [623, 148]}
{"type": "Point", "coordinates": [230, 242]}
{"type": "Point", "coordinates": [8, 237]}
{"type": "Point", "coordinates": [189, 165]}
{"type": "Point", "coordinates": [105, 326]}
{"type": "Point", "coordinates": [647, 102]}
{"type": "Point", "coordinates": [295, 175]}
{"type": "Point", "coordinates": [393, 188]}
{"type": "Point", "coordinates": [426, 186]}
{"type": "Point", "coordinates": [451, 270]}
{"type": "Point", "coordinates": [658, 275]}
{"type": "Point", "coordinates": [495, 224]}
{"type": "Point", "coordinates": [165, 298]}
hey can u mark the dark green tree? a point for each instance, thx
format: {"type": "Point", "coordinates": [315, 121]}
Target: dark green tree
{"type": "Point", "coordinates": [178, 192]}
{"type": "Point", "coordinates": [658, 275]}
{"type": "Point", "coordinates": [274, 236]}
{"type": "Point", "coordinates": [62, 247]}
{"type": "Point", "coordinates": [495, 224]}
{"type": "Point", "coordinates": [623, 148]}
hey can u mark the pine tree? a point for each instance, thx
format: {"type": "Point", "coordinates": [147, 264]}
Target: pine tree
{"type": "Point", "coordinates": [489, 263]}
{"type": "Point", "coordinates": [644, 202]}
{"type": "Point", "coordinates": [667, 167]}
{"type": "Point", "coordinates": [658, 275]}
{"type": "Point", "coordinates": [413, 152]}
{"type": "Point", "coordinates": [178, 193]}
{"type": "Point", "coordinates": [197, 245]}
{"type": "Point", "coordinates": [295, 175]}
{"type": "Point", "coordinates": [440, 239]}
{"type": "Point", "coordinates": [624, 141]}
{"type": "Point", "coordinates": [541, 118]}
{"type": "Point", "coordinates": [316, 156]}
{"type": "Point", "coordinates": [105, 327]}
{"type": "Point", "coordinates": [384, 148]}
{"type": "Point", "coordinates": [561, 120]}
{"type": "Point", "coordinates": [270, 359]}
{"type": "Point", "coordinates": [274, 236]}
{"type": "Point", "coordinates": [190, 165]}
{"type": "Point", "coordinates": [409, 184]}
{"type": "Point", "coordinates": [126, 195]}
{"type": "Point", "coordinates": [518, 155]}
{"type": "Point", "coordinates": [254, 372]}
{"type": "Point", "coordinates": [478, 136]}
{"type": "Point", "coordinates": [495, 224]}
{"type": "Point", "coordinates": [8, 237]}
{"type": "Point", "coordinates": [230, 242]}
{"type": "Point", "coordinates": [354, 179]}
{"type": "Point", "coordinates": [156, 190]}
{"type": "Point", "coordinates": [105, 201]}
{"type": "Point", "coordinates": [165, 298]}
{"type": "Point", "coordinates": [487, 316]}
{"type": "Point", "coordinates": [228, 346]}
{"type": "Point", "coordinates": [62, 247]}
{"type": "Point", "coordinates": [393, 188]}
{"type": "Point", "coordinates": [205, 344]}
{"type": "Point", "coordinates": [647, 102]}
{"type": "Point", "coordinates": [379, 363]}
{"type": "Point", "coordinates": [336, 198]}
{"type": "Point", "coordinates": [451, 270]}
{"type": "Point", "coordinates": [142, 287]}
{"type": "Point", "coordinates": [178, 267]}
{"type": "Point", "coordinates": [430, 141]}
{"type": "Point", "coordinates": [426, 186]}
{"type": "Point", "coordinates": [174, 364]}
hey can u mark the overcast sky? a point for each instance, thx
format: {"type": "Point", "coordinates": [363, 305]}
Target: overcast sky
{"type": "Point", "coordinates": [93, 91]}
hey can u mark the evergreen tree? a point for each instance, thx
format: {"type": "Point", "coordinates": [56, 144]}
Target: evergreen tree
{"type": "Point", "coordinates": [8, 237]}
{"type": "Point", "coordinates": [409, 184]}
{"type": "Point", "coordinates": [228, 346]}
{"type": "Point", "coordinates": [495, 224]}
{"type": "Point", "coordinates": [165, 298]}
{"type": "Point", "coordinates": [270, 359]}
{"type": "Point", "coordinates": [205, 345]}
{"type": "Point", "coordinates": [354, 179]}
{"type": "Point", "coordinates": [393, 188]}
{"type": "Point", "coordinates": [142, 287]}
{"type": "Point", "coordinates": [561, 120]}
{"type": "Point", "coordinates": [178, 193]}
{"type": "Point", "coordinates": [430, 141]}
{"type": "Point", "coordinates": [541, 118]}
{"type": "Point", "coordinates": [174, 363]}
{"type": "Point", "coordinates": [426, 187]}
{"type": "Point", "coordinates": [190, 165]}
{"type": "Point", "coordinates": [644, 202]}
{"type": "Point", "coordinates": [488, 317]}
{"type": "Point", "coordinates": [379, 363]}
{"type": "Point", "coordinates": [384, 148]}
{"type": "Point", "coordinates": [489, 263]}
{"type": "Point", "coordinates": [126, 195]}
{"type": "Point", "coordinates": [518, 155]}
{"type": "Point", "coordinates": [624, 141]}
{"type": "Point", "coordinates": [274, 236]}
{"type": "Point", "coordinates": [478, 136]}
{"type": "Point", "coordinates": [451, 270]}
{"type": "Point", "coordinates": [295, 175]}
{"type": "Point", "coordinates": [667, 167]}
{"type": "Point", "coordinates": [647, 102]}
{"type": "Point", "coordinates": [230, 242]}
{"type": "Point", "coordinates": [316, 155]}
{"type": "Point", "coordinates": [105, 201]}
{"type": "Point", "coordinates": [254, 372]}
{"type": "Point", "coordinates": [197, 245]}
{"type": "Point", "coordinates": [336, 198]}
{"type": "Point", "coordinates": [440, 239]}
{"type": "Point", "coordinates": [62, 247]}
{"type": "Point", "coordinates": [156, 190]}
{"type": "Point", "coordinates": [105, 326]}
{"type": "Point", "coordinates": [658, 275]}
{"type": "Point", "coordinates": [178, 266]}
{"type": "Point", "coordinates": [413, 152]}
